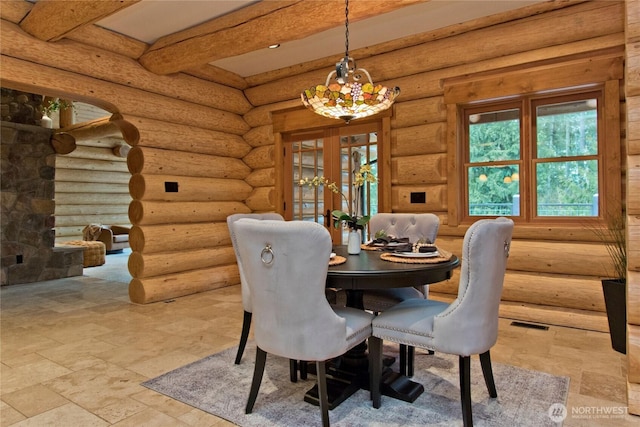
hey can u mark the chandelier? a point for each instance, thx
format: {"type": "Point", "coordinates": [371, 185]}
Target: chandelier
{"type": "Point", "coordinates": [347, 98]}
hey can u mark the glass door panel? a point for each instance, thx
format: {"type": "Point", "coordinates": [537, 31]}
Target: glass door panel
{"type": "Point", "coordinates": [356, 151]}
{"type": "Point", "coordinates": [336, 155]}
{"type": "Point", "coordinates": [307, 162]}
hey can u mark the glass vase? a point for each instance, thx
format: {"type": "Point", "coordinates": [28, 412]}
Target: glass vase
{"type": "Point", "coordinates": [353, 243]}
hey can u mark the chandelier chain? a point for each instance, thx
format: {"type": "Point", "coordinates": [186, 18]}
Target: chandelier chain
{"type": "Point", "coordinates": [346, 29]}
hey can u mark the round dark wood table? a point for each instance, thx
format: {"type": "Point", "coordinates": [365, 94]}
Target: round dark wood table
{"type": "Point", "coordinates": [368, 271]}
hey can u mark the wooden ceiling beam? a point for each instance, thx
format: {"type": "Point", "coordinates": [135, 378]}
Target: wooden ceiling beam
{"type": "Point", "coordinates": [256, 27]}
{"type": "Point", "coordinates": [14, 10]}
{"type": "Point", "coordinates": [53, 20]}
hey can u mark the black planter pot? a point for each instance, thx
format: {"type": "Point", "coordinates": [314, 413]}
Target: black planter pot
{"type": "Point", "coordinates": [615, 299]}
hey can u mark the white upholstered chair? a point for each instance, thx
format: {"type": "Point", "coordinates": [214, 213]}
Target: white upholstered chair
{"type": "Point", "coordinates": [414, 226]}
{"type": "Point", "coordinates": [285, 264]}
{"type": "Point", "coordinates": [246, 294]}
{"type": "Point", "coordinates": [417, 227]}
{"type": "Point", "coordinates": [469, 325]}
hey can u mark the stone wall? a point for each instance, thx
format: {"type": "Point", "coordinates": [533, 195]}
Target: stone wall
{"type": "Point", "coordinates": [27, 216]}
{"type": "Point", "coordinates": [20, 107]}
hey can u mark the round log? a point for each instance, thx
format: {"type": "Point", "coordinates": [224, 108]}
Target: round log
{"type": "Point", "coordinates": [109, 67]}
{"type": "Point", "coordinates": [129, 132]}
{"type": "Point", "coordinates": [262, 199]}
{"type": "Point", "coordinates": [90, 210]}
{"type": "Point", "coordinates": [435, 194]}
{"type": "Point", "coordinates": [422, 139]}
{"type": "Point", "coordinates": [261, 115]}
{"type": "Point", "coordinates": [114, 165]}
{"type": "Point", "coordinates": [66, 114]}
{"type": "Point", "coordinates": [152, 212]}
{"type": "Point", "coordinates": [160, 264]}
{"type": "Point", "coordinates": [71, 220]}
{"type": "Point", "coordinates": [121, 150]}
{"type": "Point", "coordinates": [93, 129]}
{"type": "Point", "coordinates": [260, 157]}
{"type": "Point", "coordinates": [172, 136]}
{"type": "Point", "coordinates": [432, 110]}
{"type": "Point", "coordinates": [193, 189]}
{"type": "Point", "coordinates": [63, 143]}
{"type": "Point", "coordinates": [70, 232]}
{"type": "Point", "coordinates": [154, 161]}
{"type": "Point", "coordinates": [150, 239]}
{"type": "Point", "coordinates": [96, 153]}
{"type": "Point", "coordinates": [70, 175]}
{"type": "Point", "coordinates": [265, 177]}
{"type": "Point", "coordinates": [576, 292]}
{"type": "Point", "coordinates": [91, 199]}
{"type": "Point", "coordinates": [259, 136]}
{"type": "Point", "coordinates": [161, 288]}
{"type": "Point", "coordinates": [424, 169]}
{"type": "Point", "coordinates": [91, 187]}
{"type": "Point", "coordinates": [554, 257]}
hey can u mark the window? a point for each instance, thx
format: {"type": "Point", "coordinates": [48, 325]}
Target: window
{"type": "Point", "coordinates": [534, 157]}
{"type": "Point", "coordinates": [540, 143]}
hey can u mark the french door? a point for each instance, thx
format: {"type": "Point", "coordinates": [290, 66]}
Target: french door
{"type": "Point", "coordinates": [337, 155]}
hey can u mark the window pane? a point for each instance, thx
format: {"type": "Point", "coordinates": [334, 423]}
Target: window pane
{"type": "Point", "coordinates": [494, 191]}
{"type": "Point", "coordinates": [567, 129]}
{"type": "Point", "coordinates": [567, 188]}
{"type": "Point", "coordinates": [494, 136]}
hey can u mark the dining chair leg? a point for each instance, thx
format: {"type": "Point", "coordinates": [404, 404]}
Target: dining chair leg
{"type": "Point", "coordinates": [293, 370]}
{"type": "Point", "coordinates": [261, 358]}
{"type": "Point", "coordinates": [304, 369]}
{"type": "Point", "coordinates": [375, 370]}
{"type": "Point", "coordinates": [246, 324]}
{"type": "Point", "coordinates": [403, 359]}
{"type": "Point", "coordinates": [411, 354]}
{"type": "Point", "coordinates": [485, 362]}
{"type": "Point", "coordinates": [465, 390]}
{"type": "Point", "coordinates": [322, 392]}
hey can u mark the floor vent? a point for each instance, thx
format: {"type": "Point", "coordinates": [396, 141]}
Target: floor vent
{"type": "Point", "coordinates": [529, 325]}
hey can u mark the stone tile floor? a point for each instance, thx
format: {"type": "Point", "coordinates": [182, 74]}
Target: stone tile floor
{"type": "Point", "coordinates": [74, 352]}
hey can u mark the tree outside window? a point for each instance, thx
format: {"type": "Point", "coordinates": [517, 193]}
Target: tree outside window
{"type": "Point", "coordinates": [534, 157]}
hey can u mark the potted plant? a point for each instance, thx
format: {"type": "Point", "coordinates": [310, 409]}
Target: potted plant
{"type": "Point", "coordinates": [350, 219]}
{"type": "Point", "coordinates": [51, 107]}
{"type": "Point", "coordinates": [614, 289]}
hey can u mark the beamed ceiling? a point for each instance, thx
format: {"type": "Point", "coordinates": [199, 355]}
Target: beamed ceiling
{"type": "Point", "coordinates": [231, 38]}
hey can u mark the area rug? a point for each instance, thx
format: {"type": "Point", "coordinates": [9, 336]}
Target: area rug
{"type": "Point", "coordinates": [215, 385]}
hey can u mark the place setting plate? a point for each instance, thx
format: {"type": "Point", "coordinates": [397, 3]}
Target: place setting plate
{"type": "Point", "coordinates": [417, 254]}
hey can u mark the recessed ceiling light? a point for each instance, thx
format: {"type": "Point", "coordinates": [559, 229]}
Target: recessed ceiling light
{"type": "Point", "coordinates": [274, 46]}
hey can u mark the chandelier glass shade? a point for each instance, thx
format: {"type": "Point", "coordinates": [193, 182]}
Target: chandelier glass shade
{"type": "Point", "coordinates": [347, 97]}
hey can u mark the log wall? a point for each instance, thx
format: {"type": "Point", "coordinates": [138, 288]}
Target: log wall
{"type": "Point", "coordinates": [541, 285]}
{"type": "Point", "coordinates": [632, 91]}
{"type": "Point", "coordinates": [197, 160]}
{"type": "Point", "coordinates": [183, 175]}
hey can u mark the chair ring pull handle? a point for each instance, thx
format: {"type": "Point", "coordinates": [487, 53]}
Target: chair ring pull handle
{"type": "Point", "coordinates": [267, 256]}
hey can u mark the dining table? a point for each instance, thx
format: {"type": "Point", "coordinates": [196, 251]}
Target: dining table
{"type": "Point", "coordinates": [357, 273]}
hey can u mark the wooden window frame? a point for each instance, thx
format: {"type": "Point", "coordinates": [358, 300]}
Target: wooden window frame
{"type": "Point", "coordinates": [581, 73]}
